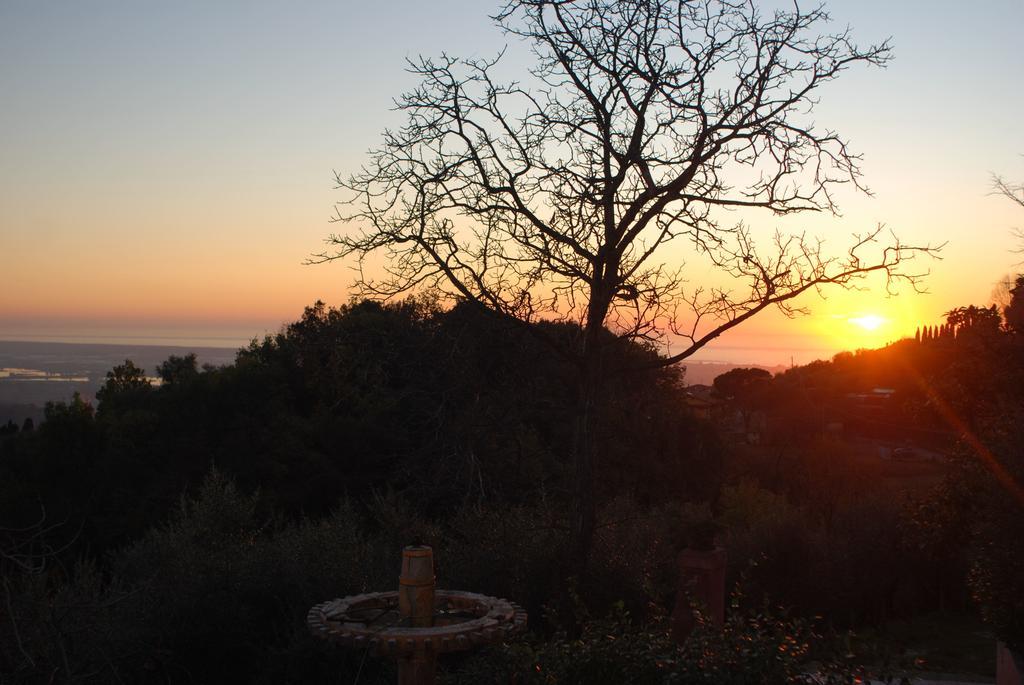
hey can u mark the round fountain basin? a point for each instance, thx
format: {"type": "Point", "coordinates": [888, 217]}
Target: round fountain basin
{"type": "Point", "coordinates": [460, 621]}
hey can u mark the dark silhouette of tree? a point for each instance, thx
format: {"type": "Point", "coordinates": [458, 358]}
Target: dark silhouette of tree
{"type": "Point", "coordinates": [1013, 310]}
{"type": "Point", "coordinates": [745, 389]}
{"type": "Point", "coordinates": [735, 382]}
{"type": "Point", "coordinates": [972, 320]}
{"type": "Point", "coordinates": [1013, 313]}
{"type": "Point", "coordinates": [178, 370]}
{"type": "Point", "coordinates": [125, 378]}
{"type": "Point", "coordinates": [561, 196]}
{"type": "Point", "coordinates": [1014, 192]}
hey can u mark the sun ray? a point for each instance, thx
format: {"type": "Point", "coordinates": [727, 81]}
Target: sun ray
{"type": "Point", "coordinates": [952, 419]}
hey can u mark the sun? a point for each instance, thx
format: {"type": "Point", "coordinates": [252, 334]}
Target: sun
{"type": "Point", "coordinates": [869, 322]}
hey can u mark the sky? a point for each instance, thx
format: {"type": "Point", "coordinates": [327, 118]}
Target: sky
{"type": "Point", "coordinates": [167, 168]}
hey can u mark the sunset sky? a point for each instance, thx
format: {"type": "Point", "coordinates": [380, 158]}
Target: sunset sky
{"type": "Point", "coordinates": [165, 168]}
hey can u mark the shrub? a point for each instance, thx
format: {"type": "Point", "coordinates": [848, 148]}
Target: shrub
{"type": "Point", "coordinates": [762, 646]}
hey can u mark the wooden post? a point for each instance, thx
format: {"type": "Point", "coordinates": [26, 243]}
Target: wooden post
{"type": "Point", "coordinates": [701, 583]}
{"type": "Point", "coordinates": [1009, 667]}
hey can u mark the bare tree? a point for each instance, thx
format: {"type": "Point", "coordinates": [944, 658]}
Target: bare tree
{"type": "Point", "coordinates": [1002, 292]}
{"type": "Point", "coordinates": [643, 125]}
{"type": "Point", "coordinates": [1012, 191]}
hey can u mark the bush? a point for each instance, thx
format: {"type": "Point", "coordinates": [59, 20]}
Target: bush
{"type": "Point", "coordinates": [223, 593]}
{"type": "Point", "coordinates": [762, 646]}
{"type": "Point", "coordinates": [64, 627]}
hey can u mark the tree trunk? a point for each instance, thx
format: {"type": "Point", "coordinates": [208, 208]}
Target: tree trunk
{"type": "Point", "coordinates": [583, 506]}
{"type": "Point", "coordinates": [589, 387]}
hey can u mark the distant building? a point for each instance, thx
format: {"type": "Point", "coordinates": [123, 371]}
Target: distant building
{"type": "Point", "coordinates": [877, 397]}
{"type": "Point", "coordinates": [701, 402]}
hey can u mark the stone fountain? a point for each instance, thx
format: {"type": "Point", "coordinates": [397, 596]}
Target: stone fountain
{"type": "Point", "coordinates": [418, 622]}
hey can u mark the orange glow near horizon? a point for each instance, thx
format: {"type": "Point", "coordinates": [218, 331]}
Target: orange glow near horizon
{"type": "Point", "coordinates": [263, 295]}
{"type": "Point", "coordinates": [124, 206]}
{"type": "Point", "coordinates": [849, 320]}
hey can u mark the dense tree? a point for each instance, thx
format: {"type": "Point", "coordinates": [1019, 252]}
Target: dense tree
{"type": "Point", "coordinates": [124, 379]}
{"type": "Point", "coordinates": [178, 369]}
{"type": "Point", "coordinates": [1013, 313]}
{"type": "Point", "coordinates": [973, 320]}
{"type": "Point", "coordinates": [994, 480]}
{"type": "Point", "coordinates": [439, 407]}
{"type": "Point", "coordinates": [746, 389]}
{"type": "Point", "coordinates": [559, 196]}
{"type": "Point", "coordinates": [737, 382]}
{"type": "Point", "coordinates": [407, 420]}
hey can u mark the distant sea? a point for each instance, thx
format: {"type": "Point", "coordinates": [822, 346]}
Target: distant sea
{"type": "Point", "coordinates": [134, 340]}
{"type": "Point", "coordinates": [761, 356]}
{"type": "Point", "coordinates": [33, 372]}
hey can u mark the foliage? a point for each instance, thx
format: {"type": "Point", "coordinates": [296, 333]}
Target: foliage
{"type": "Point", "coordinates": [361, 429]}
{"type": "Point", "coordinates": [1014, 311]}
{"type": "Point", "coordinates": [220, 591]}
{"type": "Point", "coordinates": [441, 408]}
{"type": "Point", "coordinates": [560, 196]}
{"type": "Point", "coordinates": [979, 511]}
{"type": "Point", "coordinates": [66, 624]}
{"type": "Point", "coordinates": [759, 646]}
{"type": "Point", "coordinates": [740, 382]}
{"type": "Point", "coordinates": [697, 527]}
{"type": "Point", "coordinates": [995, 520]}
{"type": "Point", "coordinates": [178, 369]}
{"type": "Point", "coordinates": [973, 319]}
{"type": "Point", "coordinates": [123, 380]}
{"type": "Point", "coordinates": [957, 393]}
